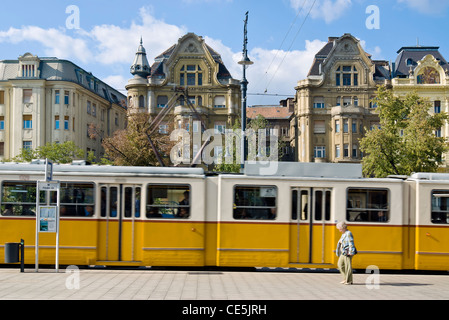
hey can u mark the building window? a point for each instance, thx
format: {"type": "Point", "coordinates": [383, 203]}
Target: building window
{"type": "Point", "coordinates": [162, 101]}
{"type": "Point", "coordinates": [220, 102]}
{"type": "Point", "coordinates": [2, 149]}
{"type": "Point", "coordinates": [27, 94]}
{"type": "Point", "coordinates": [57, 122]}
{"type": "Point", "coordinates": [346, 101]}
{"type": "Point", "coordinates": [163, 129]}
{"type": "Point", "coordinates": [337, 151]}
{"type": "Point", "coordinates": [191, 75]}
{"type": "Point", "coordinates": [345, 125]}
{"type": "Point", "coordinates": [28, 71]}
{"type": "Point", "coordinates": [94, 110]}
{"type": "Point", "coordinates": [2, 123]}
{"type": "Point", "coordinates": [66, 122]}
{"type": "Point", "coordinates": [346, 150]}
{"type": "Point", "coordinates": [141, 101]}
{"type": "Point", "coordinates": [89, 108]}
{"type": "Point", "coordinates": [318, 103]}
{"type": "Point", "coordinates": [354, 126]}
{"type": "Point", "coordinates": [437, 106]}
{"type": "Point", "coordinates": [57, 97]}
{"type": "Point", "coordinates": [354, 151]}
{"type": "Point", "coordinates": [438, 133]}
{"type": "Point", "coordinates": [346, 75]}
{"type": "Point", "coordinates": [28, 122]}
{"type": "Point", "coordinates": [356, 101]}
{"type": "Point", "coordinates": [66, 97]}
{"type": "Point", "coordinates": [116, 119]}
{"type": "Point", "coordinates": [28, 145]}
{"type": "Point", "coordinates": [2, 97]}
{"type": "Point", "coordinates": [346, 79]}
{"type": "Point", "coordinates": [319, 152]}
{"type": "Point", "coordinates": [220, 127]}
{"type": "Point", "coordinates": [319, 126]}
{"type": "Point", "coordinates": [337, 126]}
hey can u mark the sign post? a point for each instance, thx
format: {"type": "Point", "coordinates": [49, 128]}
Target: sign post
{"type": "Point", "coordinates": [47, 215]}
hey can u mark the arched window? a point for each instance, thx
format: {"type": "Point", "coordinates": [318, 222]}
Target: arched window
{"type": "Point", "coordinates": [141, 101]}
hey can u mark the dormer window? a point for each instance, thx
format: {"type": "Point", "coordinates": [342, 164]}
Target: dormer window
{"type": "Point", "coordinates": [346, 76]}
{"type": "Point", "coordinates": [409, 62]}
{"type": "Point", "coordinates": [191, 75]}
{"type": "Point", "coordinates": [28, 71]}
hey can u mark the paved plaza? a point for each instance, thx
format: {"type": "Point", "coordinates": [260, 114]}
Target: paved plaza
{"type": "Point", "coordinates": [148, 284]}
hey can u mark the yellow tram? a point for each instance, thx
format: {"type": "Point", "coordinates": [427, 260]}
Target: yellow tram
{"type": "Point", "coordinates": [129, 216]}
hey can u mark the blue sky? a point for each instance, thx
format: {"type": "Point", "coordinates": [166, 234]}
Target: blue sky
{"type": "Point", "coordinates": [284, 35]}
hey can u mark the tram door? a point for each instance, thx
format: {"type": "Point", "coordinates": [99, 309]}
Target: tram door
{"type": "Point", "coordinates": [120, 209]}
{"type": "Point", "coordinates": [309, 218]}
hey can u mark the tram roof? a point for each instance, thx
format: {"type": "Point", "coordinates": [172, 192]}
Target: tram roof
{"type": "Point", "coordinates": [304, 169]}
{"type": "Point", "coordinates": [100, 170]}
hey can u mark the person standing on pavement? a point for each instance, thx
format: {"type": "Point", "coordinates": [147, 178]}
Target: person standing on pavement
{"type": "Point", "coordinates": [345, 251]}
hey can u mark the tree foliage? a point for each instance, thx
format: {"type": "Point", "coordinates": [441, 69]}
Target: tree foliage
{"type": "Point", "coordinates": [406, 140]}
{"type": "Point", "coordinates": [132, 147]}
{"type": "Point", "coordinates": [56, 152]}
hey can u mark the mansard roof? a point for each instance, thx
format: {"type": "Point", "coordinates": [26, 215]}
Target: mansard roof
{"type": "Point", "coordinates": [54, 69]}
{"type": "Point", "coordinates": [408, 57]}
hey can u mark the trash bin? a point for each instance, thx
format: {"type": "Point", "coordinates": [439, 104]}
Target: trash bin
{"type": "Point", "coordinates": [12, 252]}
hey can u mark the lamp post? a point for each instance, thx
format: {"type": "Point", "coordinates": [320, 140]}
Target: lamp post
{"type": "Point", "coordinates": [244, 83]}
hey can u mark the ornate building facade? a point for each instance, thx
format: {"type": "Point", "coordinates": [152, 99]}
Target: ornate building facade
{"type": "Point", "coordinates": [198, 70]}
{"type": "Point", "coordinates": [333, 104]}
{"type": "Point", "coordinates": [52, 100]}
{"type": "Point", "coordinates": [422, 69]}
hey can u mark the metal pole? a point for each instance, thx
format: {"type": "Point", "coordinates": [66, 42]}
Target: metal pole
{"type": "Point", "coordinates": [244, 84]}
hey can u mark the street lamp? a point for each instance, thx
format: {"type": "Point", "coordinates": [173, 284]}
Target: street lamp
{"type": "Point", "coordinates": [244, 83]}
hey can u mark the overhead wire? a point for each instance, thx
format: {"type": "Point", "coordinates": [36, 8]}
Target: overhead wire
{"type": "Point", "coordinates": [282, 43]}
{"type": "Point", "coordinates": [291, 45]}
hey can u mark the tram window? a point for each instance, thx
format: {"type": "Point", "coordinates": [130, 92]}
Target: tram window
{"type": "Point", "coordinates": [77, 199]}
{"type": "Point", "coordinates": [19, 198]}
{"type": "Point", "coordinates": [129, 202]}
{"type": "Point", "coordinates": [168, 201]}
{"type": "Point", "coordinates": [440, 206]}
{"type": "Point", "coordinates": [303, 204]}
{"type": "Point", "coordinates": [368, 205]}
{"type": "Point", "coordinates": [255, 202]}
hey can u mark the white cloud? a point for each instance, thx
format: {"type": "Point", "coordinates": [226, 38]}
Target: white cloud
{"type": "Point", "coordinates": [55, 42]}
{"type": "Point", "coordinates": [118, 45]}
{"type": "Point", "coordinates": [427, 6]}
{"type": "Point", "coordinates": [328, 10]}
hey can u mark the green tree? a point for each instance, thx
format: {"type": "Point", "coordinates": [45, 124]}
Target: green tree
{"type": "Point", "coordinates": [406, 140]}
{"type": "Point", "coordinates": [56, 152]}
